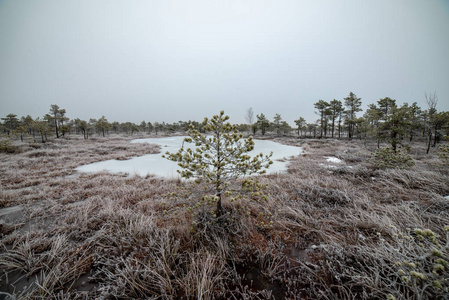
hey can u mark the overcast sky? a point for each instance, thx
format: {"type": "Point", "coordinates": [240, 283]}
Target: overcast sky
{"type": "Point", "coordinates": [170, 60]}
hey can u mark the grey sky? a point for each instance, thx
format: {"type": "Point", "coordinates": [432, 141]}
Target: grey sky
{"type": "Point", "coordinates": [170, 60]}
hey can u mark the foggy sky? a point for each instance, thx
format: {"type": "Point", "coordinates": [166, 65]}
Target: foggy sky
{"type": "Point", "coordinates": [171, 60]}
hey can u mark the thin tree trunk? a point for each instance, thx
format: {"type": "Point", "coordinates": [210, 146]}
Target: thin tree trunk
{"type": "Point", "coordinates": [435, 137]}
{"type": "Point", "coordinates": [56, 127]}
{"type": "Point", "coordinates": [429, 142]}
{"type": "Point", "coordinates": [218, 187]}
{"type": "Point", "coordinates": [333, 125]}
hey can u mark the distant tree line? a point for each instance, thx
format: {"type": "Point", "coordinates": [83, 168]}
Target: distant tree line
{"type": "Point", "coordinates": [383, 121]}
{"type": "Point", "coordinates": [56, 124]}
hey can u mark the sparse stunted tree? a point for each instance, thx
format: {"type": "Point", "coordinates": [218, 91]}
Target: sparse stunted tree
{"type": "Point", "coordinates": [388, 121]}
{"type": "Point", "coordinates": [311, 128]}
{"type": "Point", "coordinates": [28, 124]}
{"type": "Point", "coordinates": [386, 107]}
{"type": "Point", "coordinates": [43, 128]}
{"type": "Point", "coordinates": [150, 127]}
{"type": "Point", "coordinates": [220, 158]}
{"type": "Point", "coordinates": [20, 131]}
{"type": "Point", "coordinates": [432, 100]}
{"type": "Point", "coordinates": [327, 117]}
{"type": "Point", "coordinates": [143, 126]}
{"type": "Point", "coordinates": [440, 120]}
{"type": "Point", "coordinates": [115, 126]}
{"type": "Point", "coordinates": [10, 123]}
{"type": "Point", "coordinates": [63, 120]}
{"type": "Point", "coordinates": [414, 113]}
{"type": "Point", "coordinates": [82, 126]}
{"type": "Point", "coordinates": [321, 105]}
{"type": "Point", "coordinates": [285, 128]}
{"type": "Point", "coordinates": [444, 153]}
{"type": "Point", "coordinates": [158, 127]}
{"type": "Point", "coordinates": [56, 118]}
{"type": "Point", "coordinates": [262, 123]}
{"type": "Point", "coordinates": [171, 128]}
{"type": "Point", "coordinates": [396, 125]}
{"type": "Point", "coordinates": [243, 127]}
{"type": "Point", "coordinates": [92, 124]}
{"type": "Point", "coordinates": [352, 104]}
{"type": "Point", "coordinates": [372, 119]}
{"type": "Point", "coordinates": [301, 125]}
{"type": "Point", "coordinates": [129, 127]}
{"type": "Point", "coordinates": [184, 126]}
{"type": "Point", "coordinates": [277, 122]}
{"type": "Point", "coordinates": [102, 125]}
{"type": "Point", "coordinates": [335, 109]}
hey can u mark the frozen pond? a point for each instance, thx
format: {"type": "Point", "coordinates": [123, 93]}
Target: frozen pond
{"type": "Point", "coordinates": [155, 164]}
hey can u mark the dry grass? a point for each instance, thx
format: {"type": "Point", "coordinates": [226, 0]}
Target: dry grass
{"type": "Point", "coordinates": [107, 236]}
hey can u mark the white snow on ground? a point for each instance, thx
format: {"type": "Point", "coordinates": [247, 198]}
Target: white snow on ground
{"type": "Point", "coordinates": [333, 159]}
{"type": "Point", "coordinates": [154, 164]}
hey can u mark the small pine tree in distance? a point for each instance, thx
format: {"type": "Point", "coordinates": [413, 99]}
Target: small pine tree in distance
{"type": "Point", "coordinates": [220, 157]}
{"type": "Point", "coordinates": [385, 158]}
{"type": "Point", "coordinates": [444, 153]}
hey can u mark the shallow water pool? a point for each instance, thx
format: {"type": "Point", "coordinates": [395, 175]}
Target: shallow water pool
{"type": "Point", "coordinates": [155, 164]}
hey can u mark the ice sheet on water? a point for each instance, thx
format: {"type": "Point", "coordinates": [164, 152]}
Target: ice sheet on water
{"type": "Point", "coordinates": [155, 164]}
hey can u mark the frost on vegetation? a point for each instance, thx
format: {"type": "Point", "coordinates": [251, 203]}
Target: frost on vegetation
{"type": "Point", "coordinates": [385, 158]}
{"type": "Point", "coordinates": [444, 153]}
{"type": "Point", "coordinates": [216, 163]}
{"type": "Point", "coordinates": [6, 145]}
{"type": "Point", "coordinates": [421, 261]}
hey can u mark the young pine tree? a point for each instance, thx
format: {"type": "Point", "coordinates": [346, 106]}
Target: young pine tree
{"type": "Point", "coordinates": [220, 157]}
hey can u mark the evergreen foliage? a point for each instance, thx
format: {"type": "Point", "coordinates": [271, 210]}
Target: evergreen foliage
{"type": "Point", "coordinates": [322, 105]}
{"type": "Point", "coordinates": [220, 158]}
{"type": "Point", "coordinates": [421, 259]}
{"type": "Point", "coordinates": [6, 145]}
{"type": "Point", "coordinates": [102, 125]}
{"type": "Point", "coordinates": [352, 104]}
{"type": "Point", "coordinates": [262, 123]}
{"type": "Point", "coordinates": [444, 153]}
{"type": "Point", "coordinates": [387, 157]}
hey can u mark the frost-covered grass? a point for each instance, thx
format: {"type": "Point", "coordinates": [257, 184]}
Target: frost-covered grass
{"type": "Point", "coordinates": [101, 235]}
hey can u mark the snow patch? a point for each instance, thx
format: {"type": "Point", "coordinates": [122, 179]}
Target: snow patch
{"type": "Point", "coordinates": [333, 159]}
{"type": "Point", "coordinates": [155, 164]}
{"type": "Point", "coordinates": [332, 167]}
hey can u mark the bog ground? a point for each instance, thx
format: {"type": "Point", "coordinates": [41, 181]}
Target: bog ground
{"type": "Point", "coordinates": [329, 229]}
